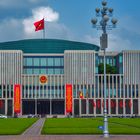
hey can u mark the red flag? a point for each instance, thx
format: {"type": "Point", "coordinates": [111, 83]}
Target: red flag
{"type": "Point", "coordinates": [130, 103]}
{"type": "Point", "coordinates": [39, 25]}
{"type": "Point", "coordinates": [81, 95]}
{"type": "Point", "coordinates": [94, 104]}
{"type": "Point", "coordinates": [98, 103]}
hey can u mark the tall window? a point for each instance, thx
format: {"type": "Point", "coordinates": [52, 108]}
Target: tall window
{"type": "Point", "coordinates": [50, 61]}
{"type": "Point", "coordinates": [43, 61]}
{"type": "Point", "coordinates": [50, 71]}
{"type": "Point", "coordinates": [57, 61]}
{"type": "Point", "coordinates": [29, 71]}
{"type": "Point", "coordinates": [29, 62]}
{"type": "Point", "coordinates": [36, 61]}
{"type": "Point", "coordinates": [120, 59]}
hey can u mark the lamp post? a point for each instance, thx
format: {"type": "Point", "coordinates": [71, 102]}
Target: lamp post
{"type": "Point", "coordinates": [105, 14]}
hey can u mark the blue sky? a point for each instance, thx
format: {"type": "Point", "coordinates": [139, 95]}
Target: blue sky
{"type": "Point", "coordinates": [70, 20]}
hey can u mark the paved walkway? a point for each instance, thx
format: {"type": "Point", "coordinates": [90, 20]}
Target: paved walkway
{"type": "Point", "coordinates": [35, 129]}
{"type": "Point", "coordinates": [71, 137]}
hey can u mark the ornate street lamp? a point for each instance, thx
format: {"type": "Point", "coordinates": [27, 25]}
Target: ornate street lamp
{"type": "Point", "coordinates": [104, 14]}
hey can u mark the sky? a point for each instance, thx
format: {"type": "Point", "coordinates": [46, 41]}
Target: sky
{"type": "Point", "coordinates": [70, 20]}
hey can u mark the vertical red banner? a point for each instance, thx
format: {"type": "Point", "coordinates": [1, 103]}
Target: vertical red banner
{"type": "Point", "coordinates": [68, 98]}
{"type": "Point", "coordinates": [17, 98]}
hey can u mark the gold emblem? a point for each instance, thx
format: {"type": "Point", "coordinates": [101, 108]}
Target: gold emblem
{"type": "Point", "coordinates": [43, 79]}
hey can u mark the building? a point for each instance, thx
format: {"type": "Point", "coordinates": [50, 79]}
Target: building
{"type": "Point", "coordinates": [49, 76]}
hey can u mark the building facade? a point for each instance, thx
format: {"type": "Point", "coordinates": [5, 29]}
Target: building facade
{"type": "Point", "coordinates": [43, 69]}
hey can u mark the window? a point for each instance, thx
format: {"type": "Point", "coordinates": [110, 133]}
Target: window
{"type": "Point", "coordinates": [111, 62]}
{"type": "Point", "coordinates": [43, 61]}
{"type": "Point", "coordinates": [120, 59]}
{"type": "Point", "coordinates": [29, 62]}
{"type": "Point", "coordinates": [114, 62]}
{"type": "Point", "coordinates": [43, 71]}
{"type": "Point", "coordinates": [50, 62]}
{"type": "Point", "coordinates": [50, 71]}
{"type": "Point", "coordinates": [62, 71]}
{"type": "Point", "coordinates": [120, 70]}
{"type": "Point", "coordinates": [107, 61]}
{"type": "Point", "coordinates": [57, 61]}
{"type": "Point", "coordinates": [36, 61]}
{"type": "Point", "coordinates": [96, 69]}
{"type": "Point", "coordinates": [29, 71]}
{"type": "Point", "coordinates": [36, 71]}
{"type": "Point", "coordinates": [62, 61]}
{"type": "Point", "coordinates": [57, 71]}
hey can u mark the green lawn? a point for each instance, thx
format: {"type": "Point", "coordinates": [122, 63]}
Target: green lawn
{"type": "Point", "coordinates": [134, 122]}
{"type": "Point", "coordinates": [90, 126]}
{"type": "Point", "coordinates": [15, 126]}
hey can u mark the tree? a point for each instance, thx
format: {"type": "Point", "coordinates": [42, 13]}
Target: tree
{"type": "Point", "coordinates": [109, 69]}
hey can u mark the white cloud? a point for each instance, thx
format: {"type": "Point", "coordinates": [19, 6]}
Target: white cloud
{"type": "Point", "coordinates": [17, 29]}
{"type": "Point", "coordinates": [37, 14]}
{"type": "Point", "coordinates": [92, 39]}
{"type": "Point", "coordinates": [11, 29]}
{"type": "Point", "coordinates": [115, 42]}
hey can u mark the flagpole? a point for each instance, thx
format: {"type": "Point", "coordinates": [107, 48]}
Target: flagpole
{"type": "Point", "coordinates": [44, 31]}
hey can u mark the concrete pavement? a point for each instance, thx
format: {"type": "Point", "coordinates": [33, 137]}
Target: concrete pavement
{"type": "Point", "coordinates": [35, 129]}
{"type": "Point", "coordinates": [71, 137]}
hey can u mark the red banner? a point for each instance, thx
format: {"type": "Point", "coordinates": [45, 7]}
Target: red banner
{"type": "Point", "coordinates": [68, 98]}
{"type": "Point", "coordinates": [17, 98]}
{"type": "Point", "coordinates": [113, 103]}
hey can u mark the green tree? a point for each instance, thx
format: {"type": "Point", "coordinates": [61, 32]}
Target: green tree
{"type": "Point", "coordinates": [109, 69]}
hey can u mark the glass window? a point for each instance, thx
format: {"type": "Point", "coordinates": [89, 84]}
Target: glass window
{"type": "Point", "coordinates": [29, 61]}
{"type": "Point", "coordinates": [57, 61]}
{"type": "Point", "coordinates": [36, 71]}
{"type": "Point", "coordinates": [120, 59]}
{"type": "Point", "coordinates": [50, 71]}
{"type": "Point", "coordinates": [114, 62]}
{"type": "Point", "coordinates": [43, 61]}
{"type": "Point", "coordinates": [43, 71]}
{"type": "Point", "coordinates": [96, 69]}
{"type": "Point", "coordinates": [62, 61]}
{"type": "Point", "coordinates": [62, 71]}
{"type": "Point", "coordinates": [29, 71]}
{"type": "Point", "coordinates": [111, 62]}
{"type": "Point", "coordinates": [101, 60]}
{"type": "Point", "coordinates": [57, 71]}
{"type": "Point", "coordinates": [107, 61]}
{"type": "Point", "coordinates": [50, 62]}
{"type": "Point", "coordinates": [36, 61]}
{"type": "Point", "coordinates": [120, 70]}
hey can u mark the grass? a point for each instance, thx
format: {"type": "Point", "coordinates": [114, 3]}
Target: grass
{"type": "Point", "coordinates": [90, 126]}
{"type": "Point", "coordinates": [71, 126]}
{"type": "Point", "coordinates": [134, 122]}
{"type": "Point", "coordinates": [15, 126]}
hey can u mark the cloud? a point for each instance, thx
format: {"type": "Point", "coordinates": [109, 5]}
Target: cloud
{"type": "Point", "coordinates": [59, 31]}
{"type": "Point", "coordinates": [17, 29]}
{"type": "Point", "coordinates": [37, 14]}
{"type": "Point", "coordinates": [124, 37]}
{"type": "Point", "coordinates": [11, 29]}
{"type": "Point", "coordinates": [115, 42]}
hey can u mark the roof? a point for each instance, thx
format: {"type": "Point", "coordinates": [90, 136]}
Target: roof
{"type": "Point", "coordinates": [46, 46]}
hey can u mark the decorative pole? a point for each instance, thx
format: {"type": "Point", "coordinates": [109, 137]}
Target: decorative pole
{"type": "Point", "coordinates": [104, 13]}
